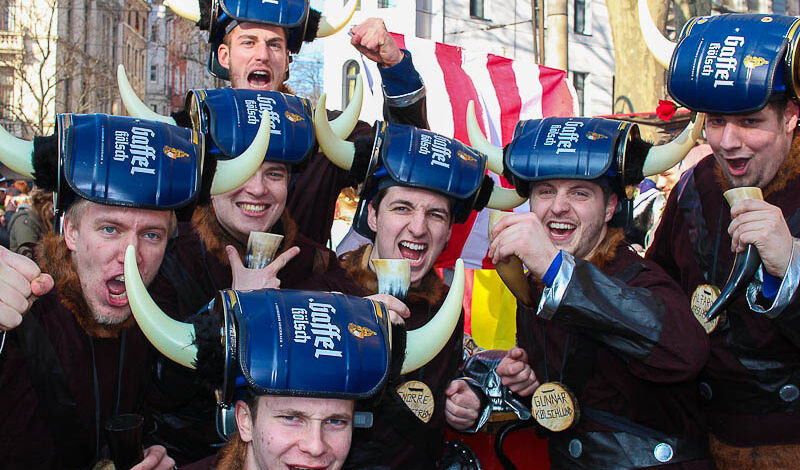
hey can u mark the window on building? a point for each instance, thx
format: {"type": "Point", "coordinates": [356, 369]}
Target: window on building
{"type": "Point", "coordinates": [154, 32]}
{"type": "Point", "coordinates": [582, 17]}
{"type": "Point", "coordinates": [476, 9]}
{"type": "Point", "coordinates": [579, 82]}
{"type": "Point", "coordinates": [350, 72]}
{"type": "Point", "coordinates": [6, 15]}
{"type": "Point", "coordinates": [153, 73]}
{"type": "Point", "coordinates": [6, 92]}
{"type": "Point", "coordinates": [385, 4]}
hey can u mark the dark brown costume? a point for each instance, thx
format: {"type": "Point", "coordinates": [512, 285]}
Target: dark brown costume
{"type": "Point", "coordinates": [196, 262]}
{"type": "Point", "coordinates": [633, 350]}
{"type": "Point", "coordinates": [48, 414]}
{"type": "Point", "coordinates": [752, 357]}
{"type": "Point", "coordinates": [398, 438]}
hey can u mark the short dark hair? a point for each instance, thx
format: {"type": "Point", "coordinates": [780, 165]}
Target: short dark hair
{"type": "Point", "coordinates": [376, 202]}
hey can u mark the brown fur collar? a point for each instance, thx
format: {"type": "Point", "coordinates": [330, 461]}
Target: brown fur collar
{"type": "Point", "coordinates": [787, 172]}
{"type": "Point", "coordinates": [607, 249]}
{"type": "Point", "coordinates": [355, 263]}
{"type": "Point", "coordinates": [232, 454]}
{"type": "Point", "coordinates": [204, 221]}
{"type": "Point", "coordinates": [55, 259]}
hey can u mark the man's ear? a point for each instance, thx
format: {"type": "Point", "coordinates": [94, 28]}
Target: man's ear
{"type": "Point", "coordinates": [70, 233]}
{"type": "Point", "coordinates": [224, 55]}
{"type": "Point", "coordinates": [790, 116]}
{"type": "Point", "coordinates": [372, 217]}
{"type": "Point", "coordinates": [244, 420]}
{"type": "Point", "coordinates": [611, 207]}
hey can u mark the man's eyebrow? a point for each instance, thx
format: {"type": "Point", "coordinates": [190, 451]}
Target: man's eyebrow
{"type": "Point", "coordinates": [402, 201]}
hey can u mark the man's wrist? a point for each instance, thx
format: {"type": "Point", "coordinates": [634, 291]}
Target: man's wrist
{"type": "Point", "coordinates": [396, 60]}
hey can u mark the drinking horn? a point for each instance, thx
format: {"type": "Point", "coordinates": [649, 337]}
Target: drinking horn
{"type": "Point", "coordinates": [745, 264]}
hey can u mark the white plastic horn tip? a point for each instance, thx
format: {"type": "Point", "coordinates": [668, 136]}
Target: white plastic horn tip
{"type": "Point", "coordinates": [339, 151]}
{"type": "Point", "coordinates": [173, 338]}
{"type": "Point", "coordinates": [504, 199]}
{"type": "Point", "coordinates": [344, 124]}
{"type": "Point", "coordinates": [133, 105]}
{"type": "Point", "coordinates": [479, 142]}
{"type": "Point", "coordinates": [235, 172]}
{"type": "Point", "coordinates": [424, 343]}
{"type": "Point", "coordinates": [663, 157]}
{"type": "Point", "coordinates": [186, 9]}
{"type": "Point", "coordinates": [331, 24]}
{"type": "Point", "coordinates": [16, 153]}
{"type": "Point", "coordinates": [659, 46]}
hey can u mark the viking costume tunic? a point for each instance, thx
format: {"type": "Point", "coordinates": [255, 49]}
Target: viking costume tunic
{"type": "Point", "coordinates": [618, 332]}
{"type": "Point", "coordinates": [750, 384]}
{"type": "Point", "coordinates": [195, 268]}
{"type": "Point", "coordinates": [62, 375]}
{"type": "Point", "coordinates": [399, 438]}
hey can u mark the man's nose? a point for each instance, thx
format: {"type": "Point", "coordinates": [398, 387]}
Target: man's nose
{"type": "Point", "coordinates": [560, 204]}
{"type": "Point", "coordinates": [312, 442]}
{"type": "Point", "coordinates": [418, 225]}
{"type": "Point", "coordinates": [731, 137]}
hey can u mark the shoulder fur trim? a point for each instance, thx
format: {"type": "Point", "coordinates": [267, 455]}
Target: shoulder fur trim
{"type": "Point", "coordinates": [355, 263]}
{"type": "Point", "coordinates": [607, 249]}
{"type": "Point", "coordinates": [232, 454]}
{"type": "Point", "coordinates": [55, 259]}
{"type": "Point", "coordinates": [215, 238]}
{"type": "Point", "coordinates": [789, 171]}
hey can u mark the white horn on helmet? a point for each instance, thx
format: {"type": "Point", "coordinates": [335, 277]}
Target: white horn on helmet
{"type": "Point", "coordinates": [504, 199]}
{"type": "Point", "coordinates": [661, 158]}
{"type": "Point", "coordinates": [346, 122]}
{"type": "Point", "coordinates": [424, 343]}
{"type": "Point", "coordinates": [133, 105]}
{"type": "Point", "coordinates": [339, 151]}
{"type": "Point", "coordinates": [16, 153]}
{"type": "Point", "coordinates": [479, 142]}
{"type": "Point", "coordinates": [173, 338]}
{"type": "Point", "coordinates": [235, 172]}
{"type": "Point", "coordinates": [186, 9]}
{"type": "Point", "coordinates": [659, 46]}
{"type": "Point", "coordinates": [331, 24]}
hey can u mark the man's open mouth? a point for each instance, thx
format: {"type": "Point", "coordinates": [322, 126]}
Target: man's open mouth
{"type": "Point", "coordinates": [116, 289]}
{"type": "Point", "coordinates": [412, 251]}
{"type": "Point", "coordinates": [251, 208]}
{"type": "Point", "coordinates": [737, 166]}
{"type": "Point", "coordinates": [561, 230]}
{"type": "Point", "coordinates": [259, 79]}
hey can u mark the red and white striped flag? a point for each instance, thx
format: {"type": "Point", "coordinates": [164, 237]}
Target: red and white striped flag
{"type": "Point", "coordinates": [505, 91]}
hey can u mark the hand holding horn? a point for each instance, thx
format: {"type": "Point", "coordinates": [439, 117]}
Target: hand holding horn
{"type": "Point", "coordinates": [746, 262]}
{"type": "Point", "coordinates": [509, 269]}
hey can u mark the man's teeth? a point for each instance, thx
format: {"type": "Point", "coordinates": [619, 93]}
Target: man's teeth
{"type": "Point", "coordinates": [561, 226]}
{"type": "Point", "coordinates": [121, 296]}
{"type": "Point", "coordinates": [120, 278]}
{"type": "Point", "coordinates": [252, 207]}
{"type": "Point", "coordinates": [414, 246]}
{"type": "Point", "coordinates": [260, 72]}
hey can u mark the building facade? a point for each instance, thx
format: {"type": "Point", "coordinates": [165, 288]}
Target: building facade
{"type": "Point", "coordinates": [176, 60]}
{"type": "Point", "coordinates": [501, 27]}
